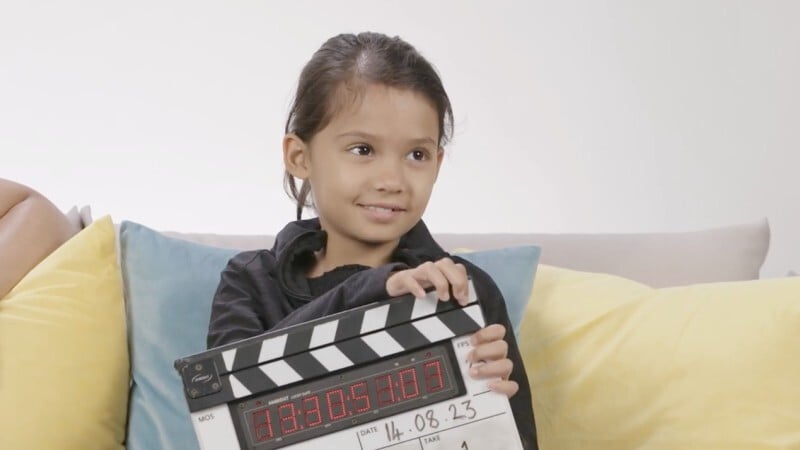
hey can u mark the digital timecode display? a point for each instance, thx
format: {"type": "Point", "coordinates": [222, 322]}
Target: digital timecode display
{"type": "Point", "coordinates": [355, 396]}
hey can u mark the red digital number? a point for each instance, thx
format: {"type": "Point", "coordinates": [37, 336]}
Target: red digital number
{"type": "Point", "coordinates": [262, 425]}
{"type": "Point", "coordinates": [337, 404]}
{"type": "Point", "coordinates": [408, 379]}
{"type": "Point", "coordinates": [385, 392]}
{"type": "Point", "coordinates": [287, 418]}
{"type": "Point", "coordinates": [433, 376]}
{"type": "Point", "coordinates": [308, 410]}
{"type": "Point", "coordinates": [363, 396]}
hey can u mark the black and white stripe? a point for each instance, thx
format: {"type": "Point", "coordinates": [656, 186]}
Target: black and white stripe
{"type": "Point", "coordinates": [362, 349]}
{"type": "Point", "coordinates": [331, 329]}
{"type": "Point", "coordinates": [312, 349]}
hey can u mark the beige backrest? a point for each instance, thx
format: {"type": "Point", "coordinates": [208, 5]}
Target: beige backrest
{"type": "Point", "coordinates": [659, 259]}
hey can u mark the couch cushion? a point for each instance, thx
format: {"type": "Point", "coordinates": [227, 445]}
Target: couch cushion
{"type": "Point", "coordinates": [513, 269]}
{"type": "Point", "coordinates": [729, 253]}
{"type": "Point", "coordinates": [169, 285]}
{"type": "Point", "coordinates": [63, 351]}
{"type": "Point", "coordinates": [614, 364]}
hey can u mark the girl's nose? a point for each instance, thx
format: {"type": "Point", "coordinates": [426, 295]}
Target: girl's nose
{"type": "Point", "coordinates": [390, 177]}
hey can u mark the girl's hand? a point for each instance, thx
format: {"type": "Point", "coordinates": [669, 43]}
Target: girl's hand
{"type": "Point", "coordinates": [441, 275]}
{"type": "Point", "coordinates": [492, 351]}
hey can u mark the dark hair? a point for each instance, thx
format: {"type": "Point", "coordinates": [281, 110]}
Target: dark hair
{"type": "Point", "coordinates": [352, 61]}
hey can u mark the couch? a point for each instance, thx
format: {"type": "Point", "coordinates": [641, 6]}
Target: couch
{"type": "Point", "coordinates": [630, 340]}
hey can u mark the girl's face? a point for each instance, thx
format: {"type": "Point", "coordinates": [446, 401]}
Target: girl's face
{"type": "Point", "coordinates": [372, 168]}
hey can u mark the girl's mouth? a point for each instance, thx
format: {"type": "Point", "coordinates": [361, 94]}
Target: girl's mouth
{"type": "Point", "coordinates": [382, 213]}
{"type": "Point", "coordinates": [382, 208]}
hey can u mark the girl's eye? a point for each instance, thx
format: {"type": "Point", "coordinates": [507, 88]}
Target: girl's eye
{"type": "Point", "coordinates": [361, 150]}
{"type": "Point", "coordinates": [418, 155]}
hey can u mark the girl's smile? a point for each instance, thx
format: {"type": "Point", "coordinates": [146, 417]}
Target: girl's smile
{"type": "Point", "coordinates": [383, 213]}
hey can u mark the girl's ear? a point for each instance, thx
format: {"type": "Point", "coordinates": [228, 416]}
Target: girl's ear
{"type": "Point", "coordinates": [439, 159]}
{"type": "Point", "coordinates": [295, 156]}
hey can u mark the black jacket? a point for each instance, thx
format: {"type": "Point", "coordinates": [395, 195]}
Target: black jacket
{"type": "Point", "coordinates": [263, 290]}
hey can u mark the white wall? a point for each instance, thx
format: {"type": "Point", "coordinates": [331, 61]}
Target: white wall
{"type": "Point", "coordinates": [578, 116]}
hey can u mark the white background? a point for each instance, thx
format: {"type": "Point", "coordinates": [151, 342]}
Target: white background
{"type": "Point", "coordinates": [571, 116]}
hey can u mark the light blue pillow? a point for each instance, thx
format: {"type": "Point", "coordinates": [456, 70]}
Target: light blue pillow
{"type": "Point", "coordinates": [169, 285]}
{"type": "Point", "coordinates": [513, 270]}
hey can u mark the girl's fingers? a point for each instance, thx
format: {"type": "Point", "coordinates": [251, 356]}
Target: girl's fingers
{"type": "Point", "coordinates": [491, 351]}
{"type": "Point", "coordinates": [487, 334]}
{"type": "Point", "coordinates": [414, 287]}
{"type": "Point", "coordinates": [404, 283]}
{"type": "Point", "coordinates": [430, 272]}
{"type": "Point", "coordinates": [457, 276]}
{"type": "Point", "coordinates": [441, 275]}
{"type": "Point", "coordinates": [492, 369]}
{"type": "Point", "coordinates": [505, 387]}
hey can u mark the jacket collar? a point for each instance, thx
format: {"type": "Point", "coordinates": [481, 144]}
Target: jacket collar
{"type": "Point", "coordinates": [296, 243]}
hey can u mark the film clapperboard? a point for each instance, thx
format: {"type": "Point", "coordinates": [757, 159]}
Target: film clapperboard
{"type": "Point", "coordinates": [388, 375]}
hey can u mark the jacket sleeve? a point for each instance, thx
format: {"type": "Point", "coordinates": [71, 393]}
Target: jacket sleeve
{"type": "Point", "coordinates": [235, 312]}
{"type": "Point", "coordinates": [494, 311]}
{"type": "Point", "coordinates": [359, 289]}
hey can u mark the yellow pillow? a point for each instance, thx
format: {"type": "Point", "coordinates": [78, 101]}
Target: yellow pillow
{"type": "Point", "coordinates": [614, 364]}
{"type": "Point", "coordinates": [63, 350]}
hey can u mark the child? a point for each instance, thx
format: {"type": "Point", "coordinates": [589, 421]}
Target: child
{"type": "Point", "coordinates": [365, 135]}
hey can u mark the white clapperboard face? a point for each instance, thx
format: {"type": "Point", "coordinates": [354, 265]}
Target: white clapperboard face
{"type": "Point", "coordinates": [390, 375]}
